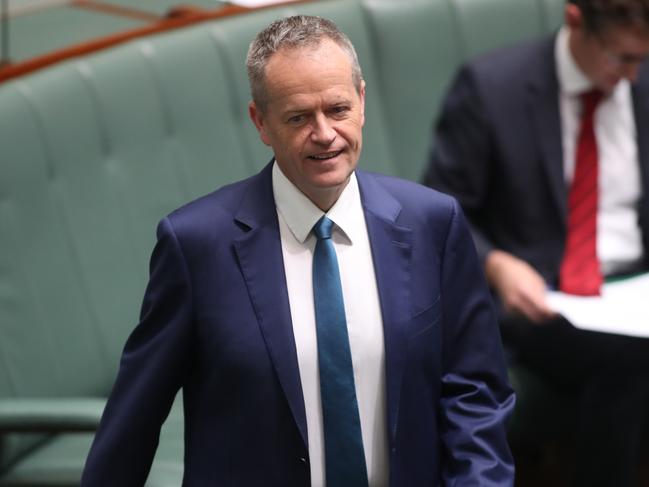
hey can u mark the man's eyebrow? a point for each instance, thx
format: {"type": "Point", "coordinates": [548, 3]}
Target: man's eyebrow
{"type": "Point", "coordinates": [293, 111]}
{"type": "Point", "coordinates": [299, 109]}
{"type": "Point", "coordinates": [340, 99]}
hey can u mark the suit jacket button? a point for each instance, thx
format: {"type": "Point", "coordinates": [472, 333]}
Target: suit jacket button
{"type": "Point", "coordinates": [303, 460]}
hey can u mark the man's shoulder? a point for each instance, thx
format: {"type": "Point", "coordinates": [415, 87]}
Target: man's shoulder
{"type": "Point", "coordinates": [428, 214]}
{"type": "Point", "coordinates": [498, 81]}
{"type": "Point", "coordinates": [215, 211]}
{"type": "Point", "coordinates": [509, 63]}
{"type": "Point", "coordinates": [412, 197]}
{"type": "Point", "coordinates": [224, 197]}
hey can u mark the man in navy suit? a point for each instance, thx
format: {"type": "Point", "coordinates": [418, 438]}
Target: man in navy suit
{"type": "Point", "coordinates": [229, 316]}
{"type": "Point", "coordinates": [508, 147]}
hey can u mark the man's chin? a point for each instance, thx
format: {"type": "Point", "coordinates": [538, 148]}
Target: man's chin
{"type": "Point", "coordinates": [608, 85]}
{"type": "Point", "coordinates": [333, 178]}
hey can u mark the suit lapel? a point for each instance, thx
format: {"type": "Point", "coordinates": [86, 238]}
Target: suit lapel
{"type": "Point", "coordinates": [260, 255]}
{"type": "Point", "coordinates": [543, 103]}
{"type": "Point", "coordinates": [641, 113]}
{"type": "Point", "coordinates": [391, 253]}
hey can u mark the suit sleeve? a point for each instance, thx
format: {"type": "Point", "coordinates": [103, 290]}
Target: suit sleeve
{"type": "Point", "coordinates": [476, 397]}
{"type": "Point", "coordinates": [151, 371]}
{"type": "Point", "coordinates": [459, 161]}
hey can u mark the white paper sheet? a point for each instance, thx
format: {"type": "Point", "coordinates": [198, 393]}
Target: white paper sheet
{"type": "Point", "coordinates": [623, 307]}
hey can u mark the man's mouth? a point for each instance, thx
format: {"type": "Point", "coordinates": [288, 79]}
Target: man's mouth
{"type": "Point", "coordinates": [326, 155]}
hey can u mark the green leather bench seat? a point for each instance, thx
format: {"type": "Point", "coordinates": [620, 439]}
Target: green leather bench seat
{"type": "Point", "coordinates": [59, 459]}
{"type": "Point", "coordinates": [97, 149]}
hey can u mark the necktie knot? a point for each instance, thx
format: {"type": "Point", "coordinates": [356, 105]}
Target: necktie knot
{"type": "Point", "coordinates": [322, 229]}
{"type": "Point", "coordinates": [590, 99]}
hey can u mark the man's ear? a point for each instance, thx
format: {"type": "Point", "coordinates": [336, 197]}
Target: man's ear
{"type": "Point", "coordinates": [257, 117]}
{"type": "Point", "coordinates": [573, 17]}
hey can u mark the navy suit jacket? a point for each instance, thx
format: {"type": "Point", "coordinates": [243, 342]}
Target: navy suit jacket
{"type": "Point", "coordinates": [498, 150]}
{"type": "Point", "coordinates": [216, 322]}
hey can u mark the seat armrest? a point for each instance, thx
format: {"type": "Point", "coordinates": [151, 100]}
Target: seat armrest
{"type": "Point", "coordinates": [50, 415]}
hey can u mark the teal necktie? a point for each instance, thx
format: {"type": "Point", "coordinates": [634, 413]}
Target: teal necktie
{"type": "Point", "coordinates": [344, 457]}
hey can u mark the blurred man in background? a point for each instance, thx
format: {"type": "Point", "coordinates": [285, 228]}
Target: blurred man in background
{"type": "Point", "coordinates": [546, 146]}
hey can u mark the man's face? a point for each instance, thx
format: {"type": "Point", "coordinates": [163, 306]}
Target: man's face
{"type": "Point", "coordinates": [611, 55]}
{"type": "Point", "coordinates": [313, 119]}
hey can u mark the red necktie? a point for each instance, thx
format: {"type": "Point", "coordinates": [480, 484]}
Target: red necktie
{"type": "Point", "coordinates": [580, 272]}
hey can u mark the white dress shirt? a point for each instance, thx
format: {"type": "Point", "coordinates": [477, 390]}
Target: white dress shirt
{"type": "Point", "coordinates": [297, 215]}
{"type": "Point", "coordinates": [619, 238]}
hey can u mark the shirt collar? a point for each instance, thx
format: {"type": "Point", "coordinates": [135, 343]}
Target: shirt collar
{"type": "Point", "coordinates": [300, 214]}
{"type": "Point", "coordinates": [572, 80]}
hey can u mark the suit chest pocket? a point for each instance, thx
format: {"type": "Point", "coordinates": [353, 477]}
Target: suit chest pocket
{"type": "Point", "coordinates": [425, 321]}
{"type": "Point", "coordinates": [424, 347]}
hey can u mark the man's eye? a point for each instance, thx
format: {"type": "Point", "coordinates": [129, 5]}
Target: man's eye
{"type": "Point", "coordinates": [295, 119]}
{"type": "Point", "coordinates": [340, 110]}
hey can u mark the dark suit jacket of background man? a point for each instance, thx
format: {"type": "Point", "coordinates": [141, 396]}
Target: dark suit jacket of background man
{"type": "Point", "coordinates": [216, 322]}
{"type": "Point", "coordinates": [502, 122]}
{"type": "Point", "coordinates": [498, 150]}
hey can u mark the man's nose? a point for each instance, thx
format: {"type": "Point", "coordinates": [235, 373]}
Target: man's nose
{"type": "Point", "coordinates": [323, 132]}
{"type": "Point", "coordinates": [630, 70]}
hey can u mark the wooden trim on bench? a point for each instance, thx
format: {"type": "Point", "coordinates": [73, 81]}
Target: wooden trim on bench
{"type": "Point", "coordinates": [117, 10]}
{"type": "Point", "coordinates": [176, 18]}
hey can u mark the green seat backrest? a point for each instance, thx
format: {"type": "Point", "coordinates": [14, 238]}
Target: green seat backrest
{"type": "Point", "coordinates": [96, 150]}
{"type": "Point", "coordinates": [94, 153]}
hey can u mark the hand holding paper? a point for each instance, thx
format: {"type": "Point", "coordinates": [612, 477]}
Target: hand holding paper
{"type": "Point", "coordinates": [623, 307]}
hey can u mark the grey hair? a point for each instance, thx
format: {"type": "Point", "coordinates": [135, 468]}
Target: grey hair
{"type": "Point", "coordinates": [293, 32]}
